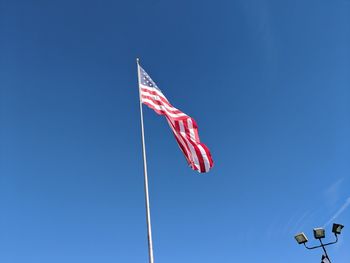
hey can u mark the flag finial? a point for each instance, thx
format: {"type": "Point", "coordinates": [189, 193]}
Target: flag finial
{"type": "Point", "coordinates": [137, 60]}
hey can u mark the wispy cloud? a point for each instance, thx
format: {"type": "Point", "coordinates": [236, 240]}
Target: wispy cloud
{"type": "Point", "coordinates": [339, 212]}
{"type": "Point", "coordinates": [332, 192]}
{"type": "Point", "coordinates": [334, 188]}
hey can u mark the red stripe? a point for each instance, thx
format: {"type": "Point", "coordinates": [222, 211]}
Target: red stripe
{"type": "Point", "coordinates": [156, 93]}
{"type": "Point", "coordinates": [162, 112]}
{"type": "Point", "coordinates": [183, 145]}
{"type": "Point", "coordinates": [160, 103]}
{"type": "Point", "coordinates": [195, 129]}
{"type": "Point", "coordinates": [211, 163]}
{"type": "Point", "coordinates": [210, 160]}
{"type": "Point", "coordinates": [195, 146]}
{"type": "Point", "coordinates": [187, 140]}
{"type": "Point", "coordinates": [182, 149]}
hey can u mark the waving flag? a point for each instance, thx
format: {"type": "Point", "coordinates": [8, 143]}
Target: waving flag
{"type": "Point", "coordinates": [184, 127]}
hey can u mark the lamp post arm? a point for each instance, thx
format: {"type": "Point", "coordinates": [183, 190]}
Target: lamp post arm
{"type": "Point", "coordinates": [331, 243]}
{"type": "Point", "coordinates": [311, 247]}
{"type": "Point", "coordinates": [323, 245]}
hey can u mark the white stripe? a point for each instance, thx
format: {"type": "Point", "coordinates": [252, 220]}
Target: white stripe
{"type": "Point", "coordinates": [203, 152]}
{"type": "Point", "coordinates": [188, 154]}
{"type": "Point", "coordinates": [153, 90]}
{"type": "Point", "coordinates": [157, 98]}
{"type": "Point", "coordinates": [162, 108]}
{"type": "Point", "coordinates": [193, 152]}
{"type": "Point", "coordinates": [205, 157]}
{"type": "Point", "coordinates": [190, 128]}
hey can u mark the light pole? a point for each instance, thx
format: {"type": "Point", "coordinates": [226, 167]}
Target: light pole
{"type": "Point", "coordinates": [319, 233]}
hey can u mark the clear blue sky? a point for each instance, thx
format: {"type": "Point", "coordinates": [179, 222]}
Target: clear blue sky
{"type": "Point", "coordinates": [268, 83]}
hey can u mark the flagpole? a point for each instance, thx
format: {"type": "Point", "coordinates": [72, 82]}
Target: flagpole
{"type": "Point", "coordinates": [148, 212]}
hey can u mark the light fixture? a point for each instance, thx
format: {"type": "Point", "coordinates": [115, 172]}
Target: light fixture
{"type": "Point", "coordinates": [336, 229]}
{"type": "Point", "coordinates": [319, 233]}
{"type": "Point", "coordinates": [301, 238]}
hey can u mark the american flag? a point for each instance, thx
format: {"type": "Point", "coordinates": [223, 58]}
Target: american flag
{"type": "Point", "coordinates": [324, 259]}
{"type": "Point", "coordinates": [184, 127]}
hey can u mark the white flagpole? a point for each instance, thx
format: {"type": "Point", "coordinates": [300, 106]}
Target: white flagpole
{"type": "Point", "coordinates": [148, 213]}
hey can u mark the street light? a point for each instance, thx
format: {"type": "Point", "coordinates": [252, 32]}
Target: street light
{"type": "Point", "coordinates": [336, 229]}
{"type": "Point", "coordinates": [301, 238]}
{"type": "Point", "coordinates": [319, 233]}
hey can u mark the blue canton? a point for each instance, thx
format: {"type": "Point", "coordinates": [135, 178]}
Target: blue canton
{"type": "Point", "coordinates": [146, 80]}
